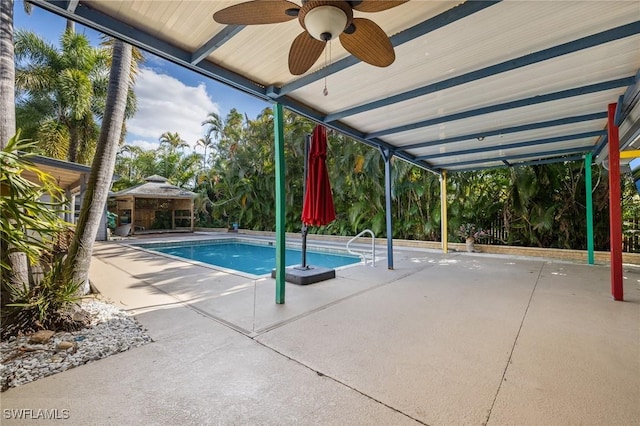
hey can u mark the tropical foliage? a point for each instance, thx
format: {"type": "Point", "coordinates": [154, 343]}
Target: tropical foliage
{"type": "Point", "coordinates": [62, 93]}
{"type": "Point", "coordinates": [30, 224]}
{"type": "Point", "coordinates": [30, 211]}
{"type": "Point", "coordinates": [541, 206]}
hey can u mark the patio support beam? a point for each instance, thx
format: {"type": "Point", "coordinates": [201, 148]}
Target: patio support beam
{"type": "Point", "coordinates": [313, 115]}
{"type": "Point", "coordinates": [513, 129]}
{"type": "Point", "coordinates": [519, 103]}
{"type": "Point", "coordinates": [68, 199]}
{"type": "Point", "coordinates": [278, 122]}
{"type": "Point", "coordinates": [509, 65]}
{"type": "Point", "coordinates": [555, 152]}
{"type": "Point", "coordinates": [133, 215]}
{"type": "Point", "coordinates": [192, 218]}
{"type": "Point", "coordinates": [562, 159]}
{"type": "Point", "coordinates": [615, 207]}
{"type": "Point", "coordinates": [525, 144]}
{"type": "Point", "coordinates": [387, 154]}
{"type": "Point", "coordinates": [588, 159]}
{"type": "Point", "coordinates": [602, 142]}
{"type": "Point", "coordinates": [215, 42]}
{"type": "Point", "coordinates": [443, 212]}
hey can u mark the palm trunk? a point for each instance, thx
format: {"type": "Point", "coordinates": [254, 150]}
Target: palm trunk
{"type": "Point", "coordinates": [72, 155]}
{"type": "Point", "coordinates": [95, 198]}
{"type": "Point", "coordinates": [19, 267]}
{"type": "Point", "coordinates": [7, 74]}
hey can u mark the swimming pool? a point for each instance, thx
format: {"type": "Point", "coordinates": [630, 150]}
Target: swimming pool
{"type": "Point", "coordinates": [248, 257]}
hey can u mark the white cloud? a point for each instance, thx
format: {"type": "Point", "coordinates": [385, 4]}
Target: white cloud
{"type": "Point", "coordinates": [146, 145]}
{"type": "Point", "coordinates": [165, 104]}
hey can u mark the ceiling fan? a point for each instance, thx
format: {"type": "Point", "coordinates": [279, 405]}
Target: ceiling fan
{"type": "Point", "coordinates": [322, 21]}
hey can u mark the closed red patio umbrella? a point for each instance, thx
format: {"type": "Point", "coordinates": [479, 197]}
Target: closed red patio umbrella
{"type": "Point", "coordinates": [318, 207]}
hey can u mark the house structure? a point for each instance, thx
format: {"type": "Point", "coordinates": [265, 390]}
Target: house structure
{"type": "Point", "coordinates": [155, 206]}
{"type": "Point", "coordinates": [72, 178]}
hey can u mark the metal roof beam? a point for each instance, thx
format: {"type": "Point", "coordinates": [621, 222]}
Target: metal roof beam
{"type": "Point", "coordinates": [106, 24]}
{"type": "Point", "coordinates": [313, 115]}
{"type": "Point", "coordinates": [458, 12]}
{"type": "Point", "coordinates": [602, 142]}
{"type": "Point", "coordinates": [525, 163]}
{"type": "Point", "coordinates": [538, 99]}
{"type": "Point", "coordinates": [630, 98]}
{"type": "Point", "coordinates": [509, 65]}
{"type": "Point", "coordinates": [564, 151]}
{"type": "Point", "coordinates": [525, 144]}
{"type": "Point", "coordinates": [112, 27]}
{"type": "Point", "coordinates": [508, 130]}
{"type": "Point", "coordinates": [550, 161]}
{"type": "Point", "coordinates": [215, 42]}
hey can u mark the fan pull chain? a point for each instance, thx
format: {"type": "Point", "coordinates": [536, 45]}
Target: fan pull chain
{"type": "Point", "coordinates": [325, 91]}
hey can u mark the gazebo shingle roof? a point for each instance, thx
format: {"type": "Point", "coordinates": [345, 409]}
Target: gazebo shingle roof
{"type": "Point", "coordinates": [156, 186]}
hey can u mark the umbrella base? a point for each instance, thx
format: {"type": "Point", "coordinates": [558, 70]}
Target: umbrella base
{"type": "Point", "coordinates": [301, 276]}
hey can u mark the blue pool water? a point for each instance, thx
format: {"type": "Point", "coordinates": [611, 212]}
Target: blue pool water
{"type": "Point", "coordinates": [251, 258]}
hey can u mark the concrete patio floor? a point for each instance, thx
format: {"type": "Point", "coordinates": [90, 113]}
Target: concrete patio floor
{"type": "Point", "coordinates": [442, 339]}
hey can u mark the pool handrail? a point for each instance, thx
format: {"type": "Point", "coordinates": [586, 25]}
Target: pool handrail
{"type": "Point", "coordinates": [363, 254]}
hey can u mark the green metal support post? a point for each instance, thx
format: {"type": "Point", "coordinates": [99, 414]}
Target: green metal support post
{"type": "Point", "coordinates": [589, 194]}
{"type": "Point", "coordinates": [278, 123]}
{"type": "Point", "coordinates": [444, 226]}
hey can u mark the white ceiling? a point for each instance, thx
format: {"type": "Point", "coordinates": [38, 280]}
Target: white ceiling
{"type": "Point", "coordinates": [471, 71]}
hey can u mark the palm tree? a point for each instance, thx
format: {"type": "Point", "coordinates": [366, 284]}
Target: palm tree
{"type": "Point", "coordinates": [65, 84]}
{"type": "Point", "coordinates": [205, 142]}
{"type": "Point", "coordinates": [173, 141]}
{"type": "Point", "coordinates": [76, 268]}
{"type": "Point", "coordinates": [215, 125]}
{"type": "Point", "coordinates": [7, 74]}
{"type": "Point", "coordinates": [19, 263]}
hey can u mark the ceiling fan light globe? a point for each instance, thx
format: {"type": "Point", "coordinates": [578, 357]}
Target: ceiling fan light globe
{"type": "Point", "coordinates": [322, 21]}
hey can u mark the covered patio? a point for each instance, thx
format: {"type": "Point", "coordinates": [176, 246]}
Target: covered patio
{"type": "Point", "coordinates": [443, 339]}
{"type": "Point", "coordinates": [432, 337]}
{"type": "Point", "coordinates": [467, 85]}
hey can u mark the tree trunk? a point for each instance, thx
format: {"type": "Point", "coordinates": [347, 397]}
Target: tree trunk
{"type": "Point", "coordinates": [95, 198]}
{"type": "Point", "coordinates": [71, 26]}
{"type": "Point", "coordinates": [19, 267]}
{"type": "Point", "coordinates": [7, 74]}
{"type": "Point", "coordinates": [72, 154]}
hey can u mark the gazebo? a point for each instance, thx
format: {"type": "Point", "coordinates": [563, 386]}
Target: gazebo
{"type": "Point", "coordinates": [155, 206]}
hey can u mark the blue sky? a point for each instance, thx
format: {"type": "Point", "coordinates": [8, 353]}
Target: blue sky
{"type": "Point", "coordinates": [170, 98]}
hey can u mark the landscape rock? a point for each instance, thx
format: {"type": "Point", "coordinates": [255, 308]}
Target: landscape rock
{"type": "Point", "coordinates": [42, 336]}
{"type": "Point", "coordinates": [111, 331]}
{"type": "Point", "coordinates": [64, 345]}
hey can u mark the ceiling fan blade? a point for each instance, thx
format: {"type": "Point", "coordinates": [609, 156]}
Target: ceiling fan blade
{"type": "Point", "coordinates": [257, 12]}
{"type": "Point", "coordinates": [377, 5]}
{"type": "Point", "coordinates": [305, 51]}
{"type": "Point", "coordinates": [369, 43]}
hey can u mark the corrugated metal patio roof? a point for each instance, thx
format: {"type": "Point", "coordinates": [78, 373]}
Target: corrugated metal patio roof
{"type": "Point", "coordinates": [474, 85]}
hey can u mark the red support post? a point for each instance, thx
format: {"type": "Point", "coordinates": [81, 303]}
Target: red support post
{"type": "Point", "coordinates": [615, 207]}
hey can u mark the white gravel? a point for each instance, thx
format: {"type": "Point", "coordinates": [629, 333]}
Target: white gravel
{"type": "Point", "coordinates": [112, 331]}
